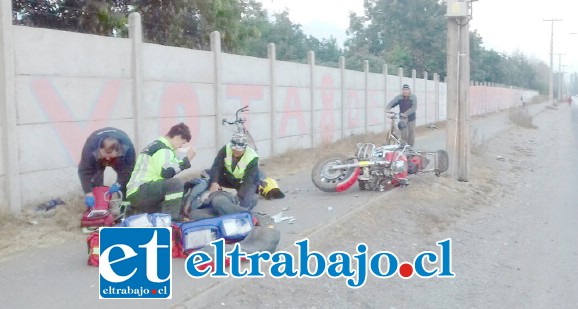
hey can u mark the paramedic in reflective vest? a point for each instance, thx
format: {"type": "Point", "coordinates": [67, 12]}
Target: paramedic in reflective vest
{"type": "Point", "coordinates": [152, 187]}
{"type": "Point", "coordinates": [237, 166]}
{"type": "Point", "coordinates": [105, 147]}
{"type": "Point", "coordinates": [407, 106]}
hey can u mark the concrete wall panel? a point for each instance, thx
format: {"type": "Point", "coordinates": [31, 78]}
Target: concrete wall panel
{"type": "Point", "coordinates": [292, 143]}
{"type": "Point", "coordinates": [165, 99]}
{"type": "Point", "coordinates": [245, 70]}
{"type": "Point", "coordinates": [72, 99]}
{"type": "Point", "coordinates": [354, 80]}
{"type": "Point", "coordinates": [235, 96]}
{"type": "Point", "coordinates": [39, 186]}
{"type": "Point", "coordinates": [61, 53]}
{"type": "Point", "coordinates": [327, 78]}
{"type": "Point", "coordinates": [375, 81]}
{"type": "Point", "coordinates": [292, 74]}
{"type": "Point", "coordinates": [166, 63]}
{"type": "Point", "coordinates": [2, 171]}
{"type": "Point", "coordinates": [58, 145]}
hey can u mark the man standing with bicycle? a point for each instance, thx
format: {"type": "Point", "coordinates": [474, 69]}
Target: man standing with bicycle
{"type": "Point", "coordinates": [407, 103]}
{"type": "Point", "coordinates": [237, 166]}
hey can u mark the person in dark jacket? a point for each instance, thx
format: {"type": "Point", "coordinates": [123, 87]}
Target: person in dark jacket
{"type": "Point", "coordinates": [105, 147]}
{"type": "Point", "coordinates": [237, 166]}
{"type": "Point", "coordinates": [407, 103]}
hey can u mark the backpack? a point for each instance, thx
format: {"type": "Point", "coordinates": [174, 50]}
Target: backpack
{"type": "Point", "coordinates": [198, 234]}
{"type": "Point", "coordinates": [147, 220]}
{"type": "Point", "coordinates": [100, 214]}
{"type": "Point", "coordinates": [93, 244]}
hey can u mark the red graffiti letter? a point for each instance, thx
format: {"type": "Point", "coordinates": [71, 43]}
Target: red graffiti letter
{"type": "Point", "coordinates": [71, 132]}
{"type": "Point", "coordinates": [353, 112]}
{"type": "Point", "coordinates": [373, 108]}
{"type": "Point", "coordinates": [179, 101]}
{"type": "Point", "coordinates": [292, 110]}
{"type": "Point", "coordinates": [246, 94]}
{"type": "Point", "coordinates": [327, 121]}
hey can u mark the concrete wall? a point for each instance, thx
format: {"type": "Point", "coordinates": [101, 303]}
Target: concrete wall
{"type": "Point", "coordinates": [67, 85]}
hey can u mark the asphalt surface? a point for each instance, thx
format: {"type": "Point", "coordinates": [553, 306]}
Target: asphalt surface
{"type": "Point", "coordinates": [513, 229]}
{"type": "Point", "coordinates": [58, 277]}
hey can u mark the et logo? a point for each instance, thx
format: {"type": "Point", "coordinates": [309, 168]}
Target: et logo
{"type": "Point", "coordinates": [135, 263]}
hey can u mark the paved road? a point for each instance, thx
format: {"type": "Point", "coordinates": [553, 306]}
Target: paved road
{"type": "Point", "coordinates": [57, 277]}
{"type": "Point", "coordinates": [513, 230]}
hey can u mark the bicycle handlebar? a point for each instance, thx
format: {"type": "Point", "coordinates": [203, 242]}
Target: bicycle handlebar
{"type": "Point", "coordinates": [237, 119]}
{"type": "Point", "coordinates": [394, 114]}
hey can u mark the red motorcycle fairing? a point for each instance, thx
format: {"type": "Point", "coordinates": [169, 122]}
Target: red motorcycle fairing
{"type": "Point", "coordinates": [391, 156]}
{"type": "Point", "coordinates": [414, 164]}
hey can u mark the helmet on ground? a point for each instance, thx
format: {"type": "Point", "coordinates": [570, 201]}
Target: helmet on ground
{"type": "Point", "coordinates": [269, 189]}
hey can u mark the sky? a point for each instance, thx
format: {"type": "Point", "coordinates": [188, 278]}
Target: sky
{"type": "Point", "coordinates": [504, 25]}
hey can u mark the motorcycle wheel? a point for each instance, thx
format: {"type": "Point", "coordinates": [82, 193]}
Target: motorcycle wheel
{"type": "Point", "coordinates": [328, 180]}
{"type": "Point", "coordinates": [442, 161]}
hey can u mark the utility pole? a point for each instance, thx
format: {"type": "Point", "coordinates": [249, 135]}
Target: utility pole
{"type": "Point", "coordinates": [562, 90]}
{"type": "Point", "coordinates": [551, 88]}
{"type": "Point", "coordinates": [560, 79]}
{"type": "Point", "coordinates": [458, 83]}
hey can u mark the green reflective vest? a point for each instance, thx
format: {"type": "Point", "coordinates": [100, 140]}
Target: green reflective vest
{"type": "Point", "coordinates": [150, 163]}
{"type": "Point", "coordinates": [241, 166]}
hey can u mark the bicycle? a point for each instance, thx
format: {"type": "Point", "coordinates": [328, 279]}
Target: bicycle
{"type": "Point", "coordinates": [240, 126]}
{"type": "Point", "coordinates": [393, 136]}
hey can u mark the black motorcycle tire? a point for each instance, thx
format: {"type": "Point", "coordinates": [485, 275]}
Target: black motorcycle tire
{"type": "Point", "coordinates": [322, 181]}
{"type": "Point", "coordinates": [442, 161]}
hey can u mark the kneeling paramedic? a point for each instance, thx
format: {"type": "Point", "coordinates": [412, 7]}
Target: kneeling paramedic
{"type": "Point", "coordinates": [152, 187]}
{"type": "Point", "coordinates": [237, 166]}
{"type": "Point", "coordinates": [105, 147]}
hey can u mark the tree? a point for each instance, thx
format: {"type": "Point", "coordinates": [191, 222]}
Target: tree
{"type": "Point", "coordinates": [327, 52]}
{"type": "Point", "coordinates": [103, 17]}
{"type": "Point", "coordinates": [402, 33]}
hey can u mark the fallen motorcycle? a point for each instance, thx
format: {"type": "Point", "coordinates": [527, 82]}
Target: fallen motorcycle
{"type": "Point", "coordinates": [377, 168]}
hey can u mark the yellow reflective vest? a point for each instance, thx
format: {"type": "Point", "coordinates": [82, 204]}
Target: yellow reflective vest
{"type": "Point", "coordinates": [241, 166]}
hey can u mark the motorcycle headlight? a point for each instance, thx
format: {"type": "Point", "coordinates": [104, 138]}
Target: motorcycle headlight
{"type": "Point", "coordinates": [398, 167]}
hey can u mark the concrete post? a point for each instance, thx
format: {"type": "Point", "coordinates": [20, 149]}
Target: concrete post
{"type": "Point", "coordinates": [437, 97]}
{"type": "Point", "coordinates": [311, 60]}
{"type": "Point", "coordinates": [272, 54]}
{"type": "Point", "coordinates": [425, 79]}
{"type": "Point", "coordinates": [452, 96]}
{"type": "Point", "coordinates": [400, 75]}
{"type": "Point", "coordinates": [135, 35]}
{"type": "Point", "coordinates": [366, 95]}
{"type": "Point", "coordinates": [464, 103]}
{"type": "Point", "coordinates": [413, 80]}
{"type": "Point", "coordinates": [384, 95]}
{"type": "Point", "coordinates": [8, 115]}
{"type": "Point", "coordinates": [343, 93]}
{"type": "Point", "coordinates": [216, 49]}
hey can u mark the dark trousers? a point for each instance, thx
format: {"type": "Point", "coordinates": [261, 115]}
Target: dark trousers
{"type": "Point", "coordinates": [408, 134]}
{"type": "Point", "coordinates": [246, 192]}
{"type": "Point", "coordinates": [162, 196]}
